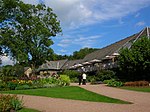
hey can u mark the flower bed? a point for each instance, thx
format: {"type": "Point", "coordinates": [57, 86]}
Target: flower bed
{"type": "Point", "coordinates": [22, 84]}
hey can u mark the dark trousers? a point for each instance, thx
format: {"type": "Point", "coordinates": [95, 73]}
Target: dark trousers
{"type": "Point", "coordinates": [84, 82]}
{"type": "Point", "coordinates": [80, 80]}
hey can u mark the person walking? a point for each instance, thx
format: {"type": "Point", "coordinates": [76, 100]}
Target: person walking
{"type": "Point", "coordinates": [80, 79]}
{"type": "Point", "coordinates": [84, 79]}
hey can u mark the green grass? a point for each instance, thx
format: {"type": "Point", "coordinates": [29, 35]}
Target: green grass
{"type": "Point", "coordinates": [140, 89]}
{"type": "Point", "coordinates": [70, 92]}
{"type": "Point", "coordinates": [28, 110]}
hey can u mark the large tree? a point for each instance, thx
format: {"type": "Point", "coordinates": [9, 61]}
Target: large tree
{"type": "Point", "coordinates": [134, 63]}
{"type": "Point", "coordinates": [26, 31]}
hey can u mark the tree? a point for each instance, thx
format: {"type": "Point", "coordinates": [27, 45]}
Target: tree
{"type": "Point", "coordinates": [26, 30]}
{"type": "Point", "coordinates": [76, 55]}
{"type": "Point", "coordinates": [82, 53]}
{"type": "Point", "coordinates": [134, 63]}
{"type": "Point", "coordinates": [7, 71]}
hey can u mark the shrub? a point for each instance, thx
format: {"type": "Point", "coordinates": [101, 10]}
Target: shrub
{"type": "Point", "coordinates": [16, 103]}
{"type": "Point", "coordinates": [49, 80]}
{"type": "Point", "coordinates": [3, 86]}
{"type": "Point", "coordinates": [65, 80]}
{"type": "Point", "coordinates": [8, 78]}
{"type": "Point", "coordinates": [114, 83]}
{"type": "Point", "coordinates": [106, 81]}
{"type": "Point", "coordinates": [9, 103]}
{"type": "Point", "coordinates": [93, 80]}
{"type": "Point", "coordinates": [105, 75]}
{"type": "Point", "coordinates": [72, 74]}
{"type": "Point", "coordinates": [12, 85]}
{"type": "Point", "coordinates": [137, 83]}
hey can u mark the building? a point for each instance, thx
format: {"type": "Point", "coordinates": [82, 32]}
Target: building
{"type": "Point", "coordinates": [104, 58]}
{"type": "Point", "coordinates": [51, 67]}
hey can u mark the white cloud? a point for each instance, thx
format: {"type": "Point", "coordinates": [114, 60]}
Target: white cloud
{"type": "Point", "coordinates": [6, 61]}
{"type": "Point", "coordinates": [64, 42]}
{"type": "Point", "coordinates": [63, 51]}
{"type": "Point", "coordinates": [141, 23]}
{"type": "Point", "coordinates": [79, 40]}
{"type": "Point", "coordinates": [77, 13]}
{"type": "Point", "coordinates": [63, 45]}
{"type": "Point", "coordinates": [31, 1]}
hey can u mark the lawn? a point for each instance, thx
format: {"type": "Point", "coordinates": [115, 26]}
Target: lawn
{"type": "Point", "coordinates": [70, 92]}
{"type": "Point", "coordinates": [141, 89]}
{"type": "Point", "coordinates": [28, 110]}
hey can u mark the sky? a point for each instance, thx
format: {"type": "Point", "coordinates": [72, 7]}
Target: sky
{"type": "Point", "coordinates": [95, 23]}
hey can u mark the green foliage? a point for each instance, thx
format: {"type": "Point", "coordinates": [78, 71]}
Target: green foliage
{"type": "Point", "coordinates": [134, 63]}
{"type": "Point", "coordinates": [73, 75]}
{"type": "Point", "coordinates": [105, 75]}
{"type": "Point", "coordinates": [3, 86]}
{"type": "Point", "coordinates": [22, 87]}
{"type": "Point", "coordinates": [93, 80]}
{"type": "Point", "coordinates": [82, 53]}
{"type": "Point", "coordinates": [65, 80]}
{"type": "Point", "coordinates": [18, 70]}
{"type": "Point", "coordinates": [12, 85]}
{"type": "Point", "coordinates": [26, 30]}
{"type": "Point", "coordinates": [18, 84]}
{"type": "Point", "coordinates": [16, 103]}
{"type": "Point", "coordinates": [7, 71]}
{"type": "Point", "coordinates": [9, 103]}
{"type": "Point", "coordinates": [47, 82]}
{"type": "Point", "coordinates": [76, 55]}
{"type": "Point", "coordinates": [113, 83]}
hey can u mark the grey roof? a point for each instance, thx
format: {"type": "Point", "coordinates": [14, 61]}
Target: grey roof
{"type": "Point", "coordinates": [53, 65]}
{"type": "Point", "coordinates": [70, 63]}
{"type": "Point", "coordinates": [114, 48]}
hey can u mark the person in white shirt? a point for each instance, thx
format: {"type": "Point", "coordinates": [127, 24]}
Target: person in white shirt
{"type": "Point", "coordinates": [84, 79]}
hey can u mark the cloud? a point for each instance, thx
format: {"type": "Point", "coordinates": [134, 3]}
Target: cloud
{"type": "Point", "coordinates": [31, 1]}
{"type": "Point", "coordinates": [64, 43]}
{"type": "Point", "coordinates": [79, 40]}
{"type": "Point", "coordinates": [77, 13]}
{"type": "Point", "coordinates": [77, 18]}
{"type": "Point", "coordinates": [63, 51]}
{"type": "Point", "coordinates": [6, 61]}
{"type": "Point", "coordinates": [141, 23]}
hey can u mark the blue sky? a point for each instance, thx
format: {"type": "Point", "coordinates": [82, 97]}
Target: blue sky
{"type": "Point", "coordinates": [95, 23]}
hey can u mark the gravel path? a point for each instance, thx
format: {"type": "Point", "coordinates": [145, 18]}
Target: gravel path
{"type": "Point", "coordinates": [140, 100]}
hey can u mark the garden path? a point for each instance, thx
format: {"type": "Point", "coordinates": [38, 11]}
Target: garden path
{"type": "Point", "coordinates": [140, 100]}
